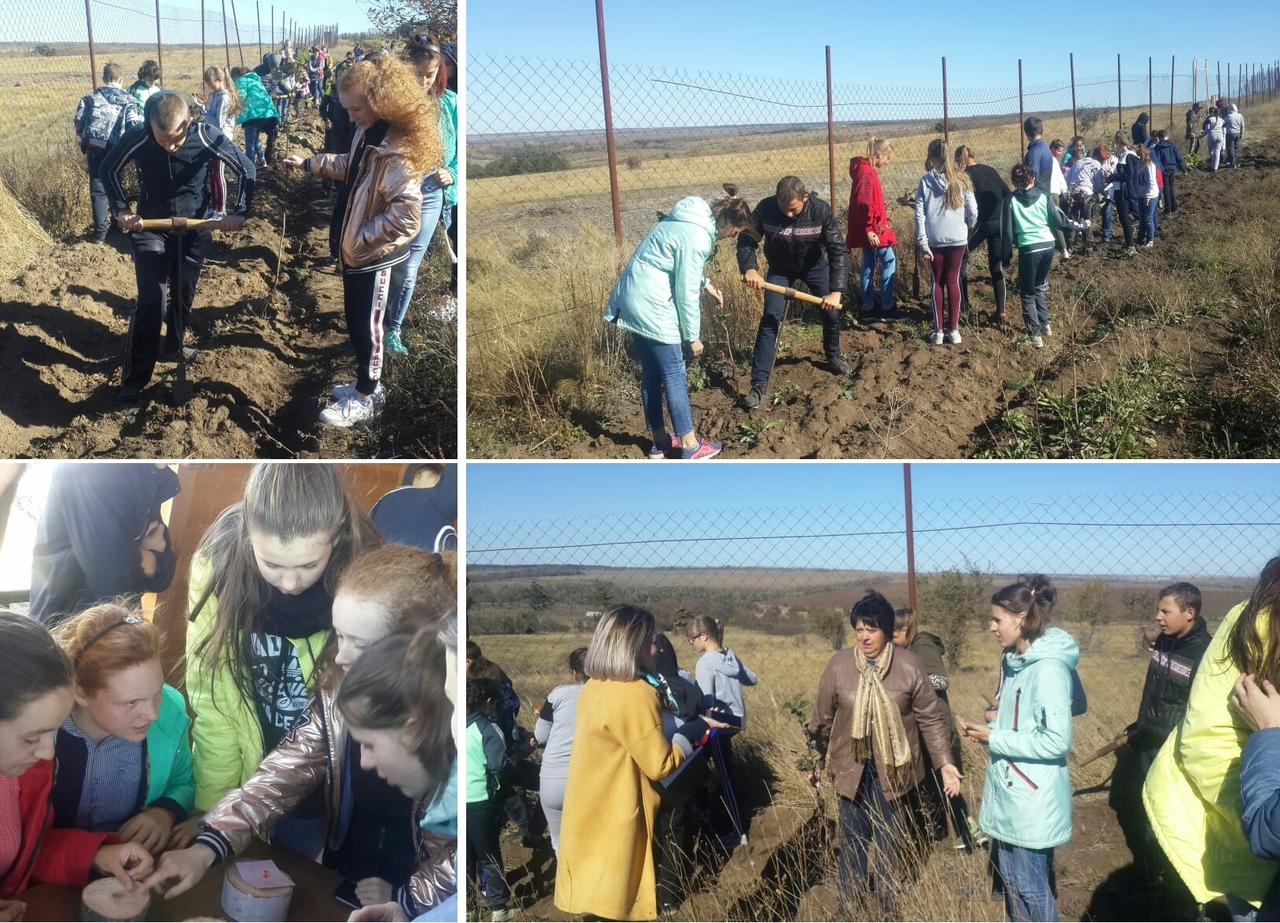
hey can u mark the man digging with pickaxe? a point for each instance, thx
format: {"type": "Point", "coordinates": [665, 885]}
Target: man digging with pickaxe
{"type": "Point", "coordinates": [172, 153]}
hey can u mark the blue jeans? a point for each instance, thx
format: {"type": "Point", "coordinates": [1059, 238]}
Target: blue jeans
{"type": "Point", "coordinates": [405, 275]}
{"type": "Point", "coordinates": [1148, 212]}
{"type": "Point", "coordinates": [888, 271]}
{"type": "Point", "coordinates": [1107, 207]}
{"type": "Point", "coordinates": [662, 372]}
{"type": "Point", "coordinates": [1028, 882]}
{"type": "Point", "coordinates": [866, 818]}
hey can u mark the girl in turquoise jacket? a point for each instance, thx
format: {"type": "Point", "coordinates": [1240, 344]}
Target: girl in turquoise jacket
{"type": "Point", "coordinates": [657, 300]}
{"type": "Point", "coordinates": [131, 723]}
{"type": "Point", "coordinates": [1026, 801]}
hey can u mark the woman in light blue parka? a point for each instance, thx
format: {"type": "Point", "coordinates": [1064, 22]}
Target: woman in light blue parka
{"type": "Point", "coordinates": [1026, 801]}
{"type": "Point", "coordinates": [657, 300]}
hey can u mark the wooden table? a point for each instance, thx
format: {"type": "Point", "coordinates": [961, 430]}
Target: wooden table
{"type": "Point", "coordinates": [312, 896]}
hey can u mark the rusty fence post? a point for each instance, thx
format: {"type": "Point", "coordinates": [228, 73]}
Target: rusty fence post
{"type": "Point", "coordinates": [93, 59]}
{"type": "Point", "coordinates": [239, 48]}
{"type": "Point", "coordinates": [831, 133]}
{"type": "Point", "coordinates": [1151, 95]}
{"type": "Point", "coordinates": [159, 45]}
{"type": "Point", "coordinates": [258, 8]}
{"type": "Point", "coordinates": [1075, 127]}
{"type": "Point", "coordinates": [226, 36]}
{"type": "Point", "coordinates": [1173, 82]}
{"type": "Point", "coordinates": [608, 129]}
{"type": "Point", "coordinates": [909, 517]}
{"type": "Point", "coordinates": [1022, 115]}
{"type": "Point", "coordinates": [203, 63]}
{"type": "Point", "coordinates": [1119, 95]}
{"type": "Point", "coordinates": [946, 119]}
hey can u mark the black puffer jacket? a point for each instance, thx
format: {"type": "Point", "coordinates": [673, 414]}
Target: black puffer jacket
{"type": "Point", "coordinates": [793, 246]}
{"type": "Point", "coordinates": [1164, 695]}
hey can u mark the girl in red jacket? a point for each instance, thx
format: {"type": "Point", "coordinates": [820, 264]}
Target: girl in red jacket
{"type": "Point", "coordinates": [35, 698]}
{"type": "Point", "coordinates": [869, 227]}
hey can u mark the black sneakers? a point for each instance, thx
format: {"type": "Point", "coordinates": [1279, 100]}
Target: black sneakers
{"type": "Point", "coordinates": [753, 397]}
{"type": "Point", "coordinates": [839, 364]}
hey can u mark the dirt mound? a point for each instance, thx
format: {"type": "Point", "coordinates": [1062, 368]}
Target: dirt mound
{"type": "Point", "coordinates": [21, 238]}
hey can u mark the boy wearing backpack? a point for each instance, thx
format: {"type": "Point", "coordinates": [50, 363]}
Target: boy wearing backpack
{"type": "Point", "coordinates": [102, 117]}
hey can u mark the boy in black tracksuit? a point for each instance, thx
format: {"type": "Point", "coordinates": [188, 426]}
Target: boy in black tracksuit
{"type": "Point", "coordinates": [172, 153]}
{"type": "Point", "coordinates": [801, 241]}
{"type": "Point", "coordinates": [1184, 636]}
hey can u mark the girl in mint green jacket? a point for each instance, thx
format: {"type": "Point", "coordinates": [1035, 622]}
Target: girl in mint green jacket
{"type": "Point", "coordinates": [657, 300]}
{"type": "Point", "coordinates": [1026, 801]}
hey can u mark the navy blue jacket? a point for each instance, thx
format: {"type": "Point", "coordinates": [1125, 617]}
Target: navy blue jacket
{"type": "Point", "coordinates": [87, 539]}
{"type": "Point", "coordinates": [1169, 155]}
{"type": "Point", "coordinates": [1040, 160]}
{"type": "Point", "coordinates": [793, 246]}
{"type": "Point", "coordinates": [176, 185]}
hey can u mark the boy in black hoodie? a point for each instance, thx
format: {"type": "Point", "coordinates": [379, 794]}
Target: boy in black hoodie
{"type": "Point", "coordinates": [172, 153]}
{"type": "Point", "coordinates": [801, 241]}
{"type": "Point", "coordinates": [1184, 636]}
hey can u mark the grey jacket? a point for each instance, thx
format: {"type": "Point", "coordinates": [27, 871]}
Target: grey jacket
{"type": "Point", "coordinates": [721, 676]}
{"type": "Point", "coordinates": [937, 225]}
{"type": "Point", "coordinates": [1234, 120]}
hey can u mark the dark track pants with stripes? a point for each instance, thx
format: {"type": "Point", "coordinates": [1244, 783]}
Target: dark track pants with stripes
{"type": "Point", "coordinates": [365, 296]}
{"type": "Point", "coordinates": [153, 257]}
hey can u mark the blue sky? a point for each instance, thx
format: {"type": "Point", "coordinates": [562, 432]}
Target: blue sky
{"type": "Point", "coordinates": [891, 45]}
{"type": "Point", "coordinates": [1162, 519]}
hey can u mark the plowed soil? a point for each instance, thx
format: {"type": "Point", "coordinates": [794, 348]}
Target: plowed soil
{"type": "Point", "coordinates": [268, 321]}
{"type": "Point", "coordinates": [907, 399]}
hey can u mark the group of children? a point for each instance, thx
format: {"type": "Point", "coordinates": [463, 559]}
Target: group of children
{"type": "Point", "coordinates": [391, 148]}
{"type": "Point", "coordinates": [316, 669]}
{"type": "Point", "coordinates": [1057, 192]}
{"type": "Point", "coordinates": [591, 825]}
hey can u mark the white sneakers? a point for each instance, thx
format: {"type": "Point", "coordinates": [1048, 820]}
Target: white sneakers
{"type": "Point", "coordinates": [1046, 330]}
{"type": "Point", "coordinates": [348, 409]}
{"type": "Point", "coordinates": [954, 337]}
{"type": "Point", "coordinates": [937, 338]}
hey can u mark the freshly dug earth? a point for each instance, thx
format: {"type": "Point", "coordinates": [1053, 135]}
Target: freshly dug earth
{"type": "Point", "coordinates": [268, 321]}
{"type": "Point", "coordinates": [906, 399]}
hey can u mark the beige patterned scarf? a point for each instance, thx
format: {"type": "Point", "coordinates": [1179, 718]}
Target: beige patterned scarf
{"type": "Point", "coordinates": [876, 719]}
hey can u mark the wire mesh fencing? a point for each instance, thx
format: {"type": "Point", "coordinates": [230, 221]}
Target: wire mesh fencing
{"type": "Point", "coordinates": [538, 159]}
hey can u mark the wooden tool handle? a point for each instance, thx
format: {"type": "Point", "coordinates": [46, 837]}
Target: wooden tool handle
{"type": "Point", "coordinates": [1112, 747]}
{"type": "Point", "coordinates": [181, 224]}
{"type": "Point", "coordinates": [790, 293]}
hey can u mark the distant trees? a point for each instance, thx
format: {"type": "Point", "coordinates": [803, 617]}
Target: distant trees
{"type": "Point", "coordinates": [528, 159]}
{"type": "Point", "coordinates": [950, 602]}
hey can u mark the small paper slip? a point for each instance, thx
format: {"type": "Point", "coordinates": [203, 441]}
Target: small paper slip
{"type": "Point", "coordinates": [263, 874]}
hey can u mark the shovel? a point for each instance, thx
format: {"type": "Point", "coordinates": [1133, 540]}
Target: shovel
{"type": "Point", "coordinates": [790, 293]}
{"type": "Point", "coordinates": [182, 389]}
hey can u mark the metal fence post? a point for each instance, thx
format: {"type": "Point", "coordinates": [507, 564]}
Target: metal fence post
{"type": "Point", "coordinates": [226, 37]}
{"type": "Point", "coordinates": [159, 45]}
{"type": "Point", "coordinates": [911, 534]}
{"type": "Point", "coordinates": [258, 8]}
{"type": "Point", "coordinates": [1119, 94]}
{"type": "Point", "coordinates": [1173, 82]}
{"type": "Point", "coordinates": [946, 119]}
{"type": "Point", "coordinates": [204, 65]}
{"type": "Point", "coordinates": [1220, 78]}
{"type": "Point", "coordinates": [1022, 116]}
{"type": "Point", "coordinates": [239, 48]}
{"type": "Point", "coordinates": [1075, 128]}
{"type": "Point", "coordinates": [608, 129]}
{"type": "Point", "coordinates": [93, 59]}
{"type": "Point", "coordinates": [1151, 98]}
{"type": "Point", "coordinates": [831, 134]}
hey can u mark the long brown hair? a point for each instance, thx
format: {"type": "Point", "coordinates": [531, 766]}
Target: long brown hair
{"type": "Point", "coordinates": [31, 663]}
{"type": "Point", "coordinates": [732, 213]}
{"type": "Point", "coordinates": [1032, 597]}
{"type": "Point", "coordinates": [1246, 647]}
{"type": "Point", "coordinates": [281, 500]}
{"type": "Point", "coordinates": [957, 180]}
{"type": "Point", "coordinates": [398, 684]}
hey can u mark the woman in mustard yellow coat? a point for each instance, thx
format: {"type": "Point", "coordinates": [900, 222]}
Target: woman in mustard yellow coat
{"type": "Point", "coordinates": [619, 751]}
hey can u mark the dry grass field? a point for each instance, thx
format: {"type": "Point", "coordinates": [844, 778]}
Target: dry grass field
{"type": "Point", "coordinates": [1145, 360]}
{"type": "Point", "coordinates": [787, 870]}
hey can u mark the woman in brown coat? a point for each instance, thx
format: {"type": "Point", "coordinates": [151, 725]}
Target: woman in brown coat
{"type": "Point", "coordinates": [874, 710]}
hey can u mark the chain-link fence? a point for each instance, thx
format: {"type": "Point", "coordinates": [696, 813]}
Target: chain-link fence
{"type": "Point", "coordinates": [782, 581]}
{"type": "Point", "coordinates": [536, 130]}
{"type": "Point", "coordinates": [52, 53]}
